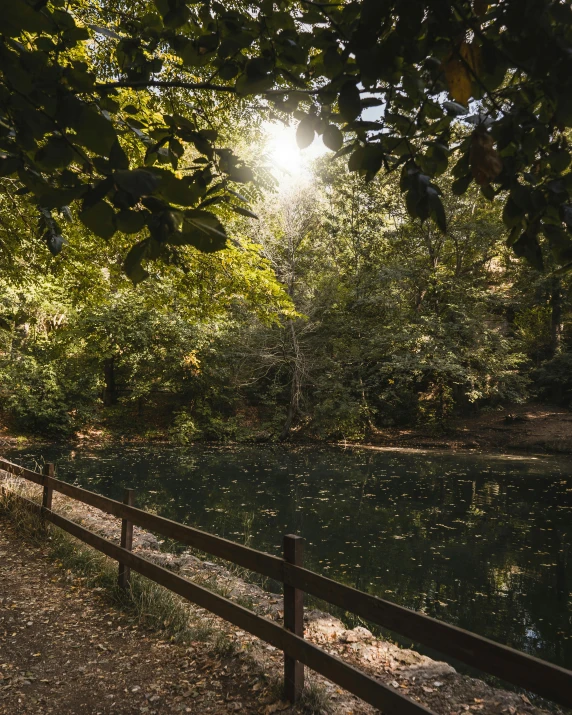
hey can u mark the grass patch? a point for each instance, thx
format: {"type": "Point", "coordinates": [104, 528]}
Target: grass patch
{"type": "Point", "coordinates": [315, 699]}
{"type": "Point", "coordinates": [150, 604]}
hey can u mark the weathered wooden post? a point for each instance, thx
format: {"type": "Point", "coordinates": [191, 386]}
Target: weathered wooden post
{"type": "Point", "coordinates": [47, 471]}
{"type": "Point", "coordinates": [293, 618]}
{"type": "Point", "coordinates": [126, 539]}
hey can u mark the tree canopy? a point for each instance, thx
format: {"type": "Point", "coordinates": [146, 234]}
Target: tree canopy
{"type": "Point", "coordinates": [336, 316]}
{"type": "Point", "coordinates": [108, 110]}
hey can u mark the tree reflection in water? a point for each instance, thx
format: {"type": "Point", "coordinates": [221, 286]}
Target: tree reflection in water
{"type": "Point", "coordinates": [480, 541]}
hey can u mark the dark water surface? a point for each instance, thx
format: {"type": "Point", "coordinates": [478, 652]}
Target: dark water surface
{"type": "Point", "coordinates": [480, 541]}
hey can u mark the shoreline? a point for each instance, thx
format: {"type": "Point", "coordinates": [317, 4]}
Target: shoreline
{"type": "Point", "coordinates": [435, 683]}
{"type": "Point", "coordinates": [531, 429]}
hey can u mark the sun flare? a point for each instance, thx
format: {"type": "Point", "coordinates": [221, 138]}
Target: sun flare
{"type": "Point", "coordinates": [289, 162]}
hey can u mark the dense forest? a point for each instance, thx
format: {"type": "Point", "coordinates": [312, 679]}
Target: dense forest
{"type": "Point", "coordinates": [159, 278]}
{"type": "Point", "coordinates": [331, 315]}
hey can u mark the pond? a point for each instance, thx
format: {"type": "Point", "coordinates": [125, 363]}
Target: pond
{"type": "Point", "coordinates": [480, 541]}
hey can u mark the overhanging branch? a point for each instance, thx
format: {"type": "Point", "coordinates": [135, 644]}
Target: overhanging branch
{"type": "Point", "coordinates": [176, 84]}
{"type": "Point", "coordinates": [142, 84]}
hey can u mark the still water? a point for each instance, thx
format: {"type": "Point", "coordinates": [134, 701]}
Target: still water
{"type": "Point", "coordinates": [480, 541]}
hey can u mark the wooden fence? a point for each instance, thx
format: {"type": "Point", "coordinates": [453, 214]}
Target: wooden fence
{"type": "Point", "coordinates": [520, 669]}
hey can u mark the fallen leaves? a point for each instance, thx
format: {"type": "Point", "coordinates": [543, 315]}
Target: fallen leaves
{"type": "Point", "coordinates": [136, 671]}
{"type": "Point", "coordinates": [120, 668]}
{"type": "Point", "coordinates": [276, 707]}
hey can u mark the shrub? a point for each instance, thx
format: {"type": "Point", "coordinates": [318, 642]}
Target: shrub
{"type": "Point", "coordinates": [553, 380]}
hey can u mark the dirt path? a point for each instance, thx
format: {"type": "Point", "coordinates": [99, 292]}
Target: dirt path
{"type": "Point", "coordinates": [64, 650]}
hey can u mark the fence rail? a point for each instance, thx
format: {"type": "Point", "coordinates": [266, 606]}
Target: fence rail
{"type": "Point", "coordinates": [533, 674]}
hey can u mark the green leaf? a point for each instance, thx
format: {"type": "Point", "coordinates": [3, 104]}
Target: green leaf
{"type": "Point", "coordinates": [512, 214]}
{"type": "Point", "coordinates": [93, 130]}
{"type": "Point", "coordinates": [97, 192]}
{"type": "Point", "coordinates": [436, 159]}
{"type": "Point", "coordinates": [560, 242]}
{"type": "Point", "coordinates": [368, 158]}
{"type": "Point", "coordinates": [18, 16]}
{"type": "Point", "coordinates": [202, 230]}
{"type": "Point", "coordinates": [9, 165]}
{"type": "Point", "coordinates": [137, 182]}
{"type": "Point", "coordinates": [117, 157]}
{"type": "Point", "coordinates": [176, 147]}
{"type": "Point", "coordinates": [183, 192]}
{"type": "Point", "coordinates": [241, 174]}
{"type": "Point", "coordinates": [333, 137]}
{"type": "Point", "coordinates": [243, 212]}
{"type": "Point", "coordinates": [527, 247]}
{"type": "Point", "coordinates": [349, 102]}
{"type": "Point", "coordinates": [238, 196]}
{"type": "Point", "coordinates": [193, 236]}
{"type": "Point", "coordinates": [459, 186]}
{"type": "Point", "coordinates": [246, 85]}
{"type": "Point", "coordinates": [177, 17]}
{"type": "Point", "coordinates": [455, 108]}
{"type": "Point", "coordinates": [55, 154]}
{"type": "Point", "coordinates": [332, 61]}
{"type": "Point", "coordinates": [488, 192]}
{"type": "Point", "coordinates": [55, 244]}
{"type": "Point", "coordinates": [129, 221]}
{"type": "Point", "coordinates": [305, 132]}
{"type": "Point", "coordinates": [132, 264]}
{"type": "Point", "coordinates": [258, 67]}
{"type": "Point", "coordinates": [52, 198]}
{"type": "Point", "coordinates": [437, 209]}
{"type": "Point", "coordinates": [411, 203]}
{"type": "Point", "coordinates": [559, 160]}
{"type": "Point", "coordinates": [229, 71]}
{"type": "Point", "coordinates": [100, 219]}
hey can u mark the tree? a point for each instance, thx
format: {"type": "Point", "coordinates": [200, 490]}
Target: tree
{"type": "Point", "coordinates": [107, 108]}
{"type": "Point", "coordinates": [399, 323]}
{"type": "Point", "coordinates": [74, 333]}
{"type": "Point", "coordinates": [290, 235]}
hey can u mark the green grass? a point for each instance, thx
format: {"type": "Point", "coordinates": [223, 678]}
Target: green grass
{"type": "Point", "coordinates": [314, 700]}
{"type": "Point", "coordinates": [150, 604]}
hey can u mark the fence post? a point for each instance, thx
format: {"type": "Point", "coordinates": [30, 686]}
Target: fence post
{"type": "Point", "coordinates": [47, 471]}
{"type": "Point", "coordinates": [293, 618]}
{"type": "Point", "coordinates": [126, 539]}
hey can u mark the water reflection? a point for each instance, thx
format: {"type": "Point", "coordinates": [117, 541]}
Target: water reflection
{"type": "Point", "coordinates": [482, 542]}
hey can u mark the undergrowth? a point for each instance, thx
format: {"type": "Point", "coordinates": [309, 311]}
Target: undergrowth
{"type": "Point", "coordinates": [315, 699]}
{"type": "Point", "coordinates": [148, 603]}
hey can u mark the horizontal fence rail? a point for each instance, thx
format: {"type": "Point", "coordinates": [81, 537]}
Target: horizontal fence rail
{"type": "Point", "coordinates": [533, 674]}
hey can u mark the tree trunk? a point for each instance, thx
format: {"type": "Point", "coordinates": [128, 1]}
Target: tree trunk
{"type": "Point", "coordinates": [292, 408]}
{"type": "Point", "coordinates": [109, 391]}
{"type": "Point", "coordinates": [295, 385]}
{"type": "Point", "coordinates": [556, 326]}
